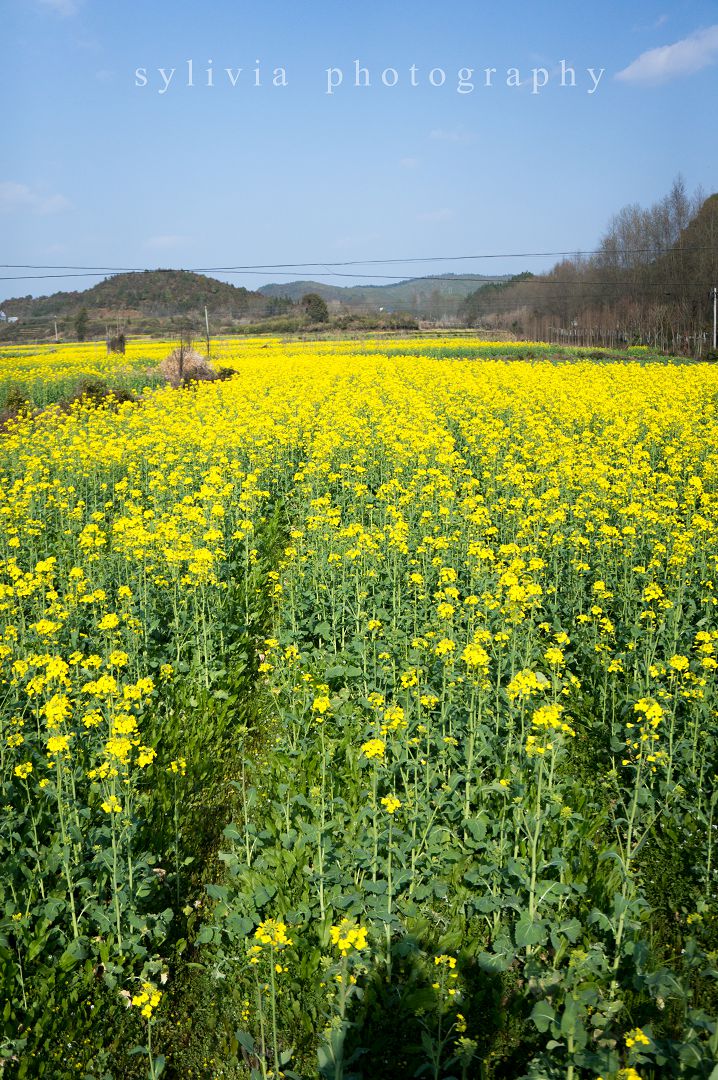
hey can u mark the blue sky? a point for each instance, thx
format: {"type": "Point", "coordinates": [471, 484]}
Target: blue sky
{"type": "Point", "coordinates": [96, 170]}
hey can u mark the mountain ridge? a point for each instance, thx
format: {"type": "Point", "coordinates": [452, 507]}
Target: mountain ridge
{"type": "Point", "coordinates": [409, 291]}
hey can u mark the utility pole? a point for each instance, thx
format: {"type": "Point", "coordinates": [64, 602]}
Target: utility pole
{"type": "Point", "coordinates": [206, 323]}
{"type": "Point", "coordinates": [715, 317]}
{"type": "Point", "coordinates": [56, 337]}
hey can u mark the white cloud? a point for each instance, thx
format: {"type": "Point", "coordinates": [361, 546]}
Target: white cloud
{"type": "Point", "coordinates": [643, 28]}
{"type": "Point", "coordinates": [165, 242]}
{"type": "Point", "coordinates": [409, 162]}
{"type": "Point", "coordinates": [18, 197]}
{"type": "Point", "coordinates": [435, 215]}
{"type": "Point", "coordinates": [450, 136]}
{"type": "Point", "coordinates": [667, 62]}
{"type": "Point", "coordinates": [61, 7]}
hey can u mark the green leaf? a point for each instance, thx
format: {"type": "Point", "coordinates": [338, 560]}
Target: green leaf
{"type": "Point", "coordinates": [240, 925]}
{"type": "Point", "coordinates": [245, 1040]}
{"type": "Point", "coordinates": [543, 1015]}
{"type": "Point", "coordinates": [217, 892]}
{"type": "Point", "coordinates": [530, 932]}
{"type": "Point", "coordinates": [572, 930]}
{"type": "Point", "coordinates": [73, 954]}
{"type": "Point", "coordinates": [477, 828]}
{"type": "Point", "coordinates": [600, 919]}
{"type": "Point", "coordinates": [495, 961]}
{"type": "Point", "coordinates": [263, 895]}
{"type": "Point", "coordinates": [570, 1019]}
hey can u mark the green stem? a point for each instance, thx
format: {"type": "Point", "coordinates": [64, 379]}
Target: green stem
{"type": "Point", "coordinates": [153, 1073]}
{"type": "Point", "coordinates": [114, 886]}
{"type": "Point", "coordinates": [65, 857]}
{"type": "Point", "coordinates": [274, 1013]}
{"type": "Point", "coordinates": [535, 840]}
{"type": "Point", "coordinates": [375, 828]}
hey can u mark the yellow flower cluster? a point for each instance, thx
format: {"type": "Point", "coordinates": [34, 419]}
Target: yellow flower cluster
{"type": "Point", "coordinates": [526, 683]}
{"type": "Point", "coordinates": [348, 936]}
{"type": "Point", "coordinates": [636, 1037]}
{"type": "Point", "coordinates": [448, 966]}
{"type": "Point", "coordinates": [641, 745]}
{"type": "Point", "coordinates": [475, 656]}
{"type": "Point", "coordinates": [374, 749]}
{"type": "Point", "coordinates": [547, 723]}
{"type": "Point", "coordinates": [147, 1000]}
{"type": "Point", "coordinates": [272, 932]}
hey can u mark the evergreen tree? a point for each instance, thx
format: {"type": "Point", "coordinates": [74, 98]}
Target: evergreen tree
{"type": "Point", "coordinates": [315, 308]}
{"type": "Point", "coordinates": [82, 323]}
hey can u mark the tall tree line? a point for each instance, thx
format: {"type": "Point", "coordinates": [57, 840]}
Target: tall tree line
{"type": "Point", "coordinates": [649, 282]}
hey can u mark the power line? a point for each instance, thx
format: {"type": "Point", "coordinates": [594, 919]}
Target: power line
{"type": "Point", "coordinates": [455, 258]}
{"type": "Point", "coordinates": [369, 262]}
{"type": "Point", "coordinates": [91, 270]}
{"type": "Point", "coordinates": [479, 280]}
{"type": "Point", "coordinates": [50, 266]}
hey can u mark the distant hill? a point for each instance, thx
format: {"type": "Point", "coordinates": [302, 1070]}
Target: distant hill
{"type": "Point", "coordinates": [154, 292]}
{"type": "Point", "coordinates": [415, 295]}
{"type": "Point", "coordinates": [158, 302]}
